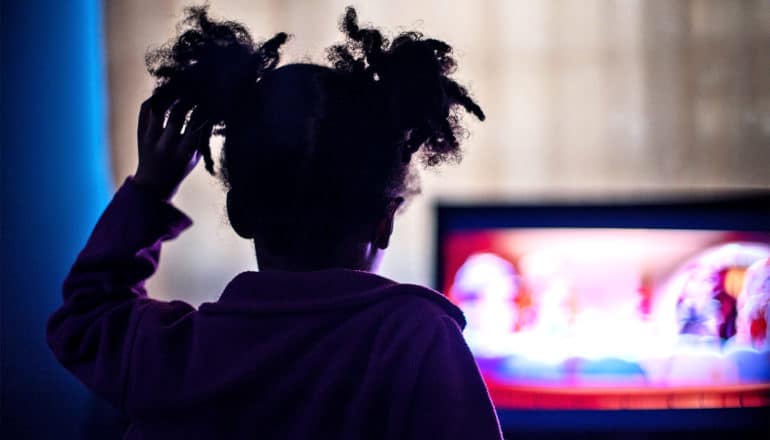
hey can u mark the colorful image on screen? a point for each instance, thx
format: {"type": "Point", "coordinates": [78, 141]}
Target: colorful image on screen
{"type": "Point", "coordinates": [615, 318]}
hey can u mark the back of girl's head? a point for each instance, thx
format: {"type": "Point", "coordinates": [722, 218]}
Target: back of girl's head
{"type": "Point", "coordinates": [313, 154]}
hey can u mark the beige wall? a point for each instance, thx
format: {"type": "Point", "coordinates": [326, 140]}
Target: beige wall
{"type": "Point", "coordinates": [587, 99]}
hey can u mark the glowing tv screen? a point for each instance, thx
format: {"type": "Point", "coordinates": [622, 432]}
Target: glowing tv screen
{"type": "Point", "coordinates": [613, 307]}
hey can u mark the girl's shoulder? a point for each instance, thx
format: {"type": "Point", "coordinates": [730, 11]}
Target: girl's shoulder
{"type": "Point", "coordinates": [423, 303]}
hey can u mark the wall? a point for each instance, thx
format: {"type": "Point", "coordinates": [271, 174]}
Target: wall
{"type": "Point", "coordinates": [55, 182]}
{"type": "Point", "coordinates": [590, 99]}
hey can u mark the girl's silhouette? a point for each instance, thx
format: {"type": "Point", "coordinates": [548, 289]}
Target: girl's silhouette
{"type": "Point", "coordinates": [316, 162]}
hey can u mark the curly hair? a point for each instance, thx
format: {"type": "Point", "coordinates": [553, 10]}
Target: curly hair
{"type": "Point", "coordinates": [315, 150]}
{"type": "Point", "coordinates": [414, 71]}
{"type": "Point", "coordinates": [208, 63]}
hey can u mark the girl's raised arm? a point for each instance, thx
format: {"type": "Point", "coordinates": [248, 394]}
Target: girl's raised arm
{"type": "Point", "coordinates": [105, 301]}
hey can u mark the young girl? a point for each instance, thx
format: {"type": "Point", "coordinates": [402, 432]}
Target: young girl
{"type": "Point", "coordinates": [316, 162]}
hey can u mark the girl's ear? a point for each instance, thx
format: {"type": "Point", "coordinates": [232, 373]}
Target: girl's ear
{"type": "Point", "coordinates": [240, 217]}
{"type": "Point", "coordinates": [384, 227]}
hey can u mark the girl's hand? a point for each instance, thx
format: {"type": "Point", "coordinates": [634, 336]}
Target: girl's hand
{"type": "Point", "coordinates": [168, 153]}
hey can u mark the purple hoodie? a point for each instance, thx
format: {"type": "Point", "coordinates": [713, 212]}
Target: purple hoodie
{"type": "Point", "coordinates": [336, 353]}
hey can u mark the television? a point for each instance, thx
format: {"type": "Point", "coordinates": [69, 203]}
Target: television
{"type": "Point", "coordinates": [643, 316]}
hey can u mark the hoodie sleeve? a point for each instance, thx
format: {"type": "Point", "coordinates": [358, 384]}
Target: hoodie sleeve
{"type": "Point", "coordinates": [450, 399]}
{"type": "Point", "coordinates": [92, 333]}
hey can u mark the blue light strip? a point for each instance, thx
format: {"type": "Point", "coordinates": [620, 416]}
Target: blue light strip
{"type": "Point", "coordinates": [55, 182]}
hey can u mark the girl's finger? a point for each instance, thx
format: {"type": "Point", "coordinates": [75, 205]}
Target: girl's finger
{"type": "Point", "coordinates": [196, 141]}
{"type": "Point", "coordinates": [197, 130]}
{"type": "Point", "coordinates": [173, 129]}
{"type": "Point", "coordinates": [151, 119]}
{"type": "Point", "coordinates": [154, 124]}
{"type": "Point", "coordinates": [144, 118]}
{"type": "Point", "coordinates": [148, 122]}
{"type": "Point", "coordinates": [187, 119]}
